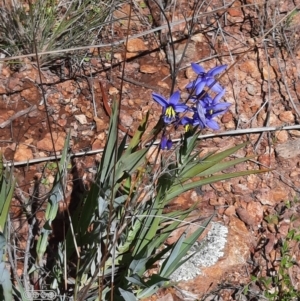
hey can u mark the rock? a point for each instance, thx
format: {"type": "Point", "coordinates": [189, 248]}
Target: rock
{"type": "Point", "coordinates": [97, 144]}
{"type": "Point", "coordinates": [199, 37]}
{"type": "Point", "coordinates": [234, 12]}
{"type": "Point", "coordinates": [126, 119]}
{"type": "Point", "coordinates": [100, 124]}
{"type": "Point", "coordinates": [149, 69]}
{"type": "Point", "coordinates": [287, 117]}
{"type": "Point", "coordinates": [14, 84]}
{"type": "Point", "coordinates": [295, 133]}
{"type": "Point", "coordinates": [113, 91]}
{"type": "Point", "coordinates": [282, 136]}
{"type": "Point", "coordinates": [46, 143]}
{"type": "Point", "coordinates": [236, 253]}
{"type": "Point", "coordinates": [23, 154]}
{"type": "Point", "coordinates": [251, 216]}
{"type": "Point", "coordinates": [163, 85]}
{"type": "Point", "coordinates": [288, 149]}
{"type": "Point", "coordinates": [32, 95]}
{"type": "Point", "coordinates": [230, 211]}
{"type": "Point", "coordinates": [136, 45]}
{"type": "Point", "coordinates": [251, 89]}
{"type": "Point", "coordinates": [251, 68]}
{"type": "Point", "coordinates": [269, 73]}
{"type": "Point", "coordinates": [81, 118]}
{"type": "Point", "coordinates": [266, 196]}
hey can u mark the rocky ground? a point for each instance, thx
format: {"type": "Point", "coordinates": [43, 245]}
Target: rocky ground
{"type": "Point", "coordinates": [263, 85]}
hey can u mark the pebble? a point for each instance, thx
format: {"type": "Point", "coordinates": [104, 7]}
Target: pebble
{"type": "Point", "coordinates": [150, 69]}
{"type": "Point", "coordinates": [81, 119]}
{"type": "Point", "coordinates": [136, 45]}
{"type": "Point", "coordinates": [287, 117]}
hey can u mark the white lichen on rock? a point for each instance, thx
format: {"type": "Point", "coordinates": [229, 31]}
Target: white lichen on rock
{"type": "Point", "coordinates": [208, 251]}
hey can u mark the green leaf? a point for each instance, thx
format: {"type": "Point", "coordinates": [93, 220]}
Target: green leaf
{"type": "Point", "coordinates": [129, 164]}
{"type": "Point", "coordinates": [5, 282]}
{"type": "Point", "coordinates": [7, 186]}
{"type": "Point", "coordinates": [180, 249]}
{"type": "Point", "coordinates": [177, 189]}
{"type": "Point", "coordinates": [108, 157]}
{"type": "Point", "coordinates": [210, 161]}
{"type": "Point", "coordinates": [128, 296]}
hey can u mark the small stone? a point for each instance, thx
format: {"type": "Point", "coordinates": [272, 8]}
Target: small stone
{"type": "Point", "coordinates": [294, 173]}
{"type": "Point", "coordinates": [23, 154]}
{"type": "Point", "coordinates": [81, 119]}
{"type": "Point", "coordinates": [126, 119]}
{"type": "Point", "coordinates": [234, 12]}
{"type": "Point", "coordinates": [295, 133]}
{"type": "Point", "coordinates": [130, 55]}
{"type": "Point", "coordinates": [269, 73]}
{"type": "Point", "coordinates": [244, 215]}
{"type": "Point", "coordinates": [62, 122]}
{"type": "Point", "coordinates": [47, 145]}
{"type": "Point", "coordinates": [250, 67]}
{"type": "Point", "coordinates": [282, 136]}
{"type": "Point", "coordinates": [199, 37]}
{"type": "Point", "coordinates": [118, 56]}
{"type": "Point", "coordinates": [136, 45]}
{"type": "Point", "coordinates": [148, 69]}
{"type": "Point", "coordinates": [287, 117]}
{"type": "Point", "coordinates": [250, 89]}
{"type": "Point", "coordinates": [113, 91]}
{"type": "Point", "coordinates": [230, 211]}
{"type": "Point", "coordinates": [289, 149]}
{"type": "Point", "coordinates": [14, 84]}
{"type": "Point", "coordinates": [163, 84]}
{"type": "Point", "coordinates": [227, 117]}
{"type": "Point", "coordinates": [100, 125]}
{"type": "Point", "coordinates": [97, 144]}
{"type": "Point", "coordinates": [89, 133]}
{"type": "Point", "coordinates": [189, 73]}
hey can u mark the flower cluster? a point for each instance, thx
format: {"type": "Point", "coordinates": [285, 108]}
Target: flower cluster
{"type": "Point", "coordinates": [203, 108]}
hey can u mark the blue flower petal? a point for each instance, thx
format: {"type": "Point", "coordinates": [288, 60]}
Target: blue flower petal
{"type": "Point", "coordinates": [160, 100]}
{"type": "Point", "coordinates": [169, 144]}
{"type": "Point", "coordinates": [216, 70]}
{"type": "Point", "coordinates": [163, 142]}
{"type": "Point", "coordinates": [186, 120]}
{"type": "Point", "coordinates": [167, 120]}
{"type": "Point", "coordinates": [197, 69]}
{"type": "Point", "coordinates": [181, 108]}
{"type": "Point", "coordinates": [219, 96]}
{"type": "Point", "coordinates": [214, 85]}
{"type": "Point", "coordinates": [212, 124]}
{"type": "Point", "coordinates": [221, 106]}
{"type": "Point", "coordinates": [200, 86]}
{"type": "Point", "coordinates": [201, 115]}
{"type": "Point", "coordinates": [174, 98]}
{"type": "Point", "coordinates": [191, 85]}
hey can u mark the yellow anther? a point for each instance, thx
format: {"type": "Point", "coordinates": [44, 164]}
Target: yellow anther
{"type": "Point", "coordinates": [170, 113]}
{"type": "Point", "coordinates": [188, 127]}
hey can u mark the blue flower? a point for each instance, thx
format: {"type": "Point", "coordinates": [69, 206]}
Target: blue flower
{"type": "Point", "coordinates": [171, 107]}
{"type": "Point", "coordinates": [206, 79]}
{"type": "Point", "coordinates": [208, 108]}
{"type": "Point", "coordinates": [165, 143]}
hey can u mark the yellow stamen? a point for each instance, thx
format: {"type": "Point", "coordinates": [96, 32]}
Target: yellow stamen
{"type": "Point", "coordinates": [170, 113]}
{"type": "Point", "coordinates": [188, 127]}
{"type": "Point", "coordinates": [211, 111]}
